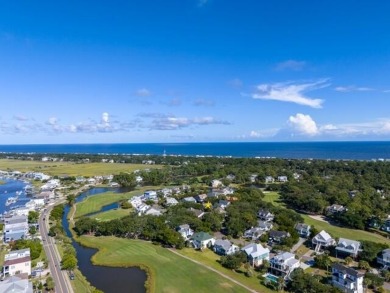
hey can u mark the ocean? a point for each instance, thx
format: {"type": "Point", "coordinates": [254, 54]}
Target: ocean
{"type": "Point", "coordinates": [288, 150]}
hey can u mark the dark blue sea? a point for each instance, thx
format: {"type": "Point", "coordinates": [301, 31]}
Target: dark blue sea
{"type": "Point", "coordinates": [288, 150]}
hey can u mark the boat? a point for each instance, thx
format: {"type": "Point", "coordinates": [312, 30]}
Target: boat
{"type": "Point", "coordinates": [29, 189]}
{"type": "Point", "coordinates": [18, 192]}
{"type": "Point", "coordinates": [11, 200]}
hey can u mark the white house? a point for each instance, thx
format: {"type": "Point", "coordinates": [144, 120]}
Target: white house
{"type": "Point", "coordinates": [283, 264]}
{"type": "Point", "coordinates": [256, 253]}
{"type": "Point", "coordinates": [150, 195]}
{"type": "Point", "coordinates": [17, 262]}
{"type": "Point", "coordinates": [347, 279]}
{"type": "Point", "coordinates": [282, 178]}
{"type": "Point", "coordinates": [347, 247]}
{"type": "Point", "coordinates": [225, 247]}
{"type": "Point", "coordinates": [135, 201]}
{"type": "Point", "coordinates": [265, 215]}
{"type": "Point", "coordinates": [16, 284]}
{"type": "Point", "coordinates": [202, 240]}
{"type": "Point", "coordinates": [171, 201]}
{"type": "Point", "coordinates": [216, 183]}
{"type": "Point", "coordinates": [185, 231]}
{"type": "Point", "coordinates": [141, 209]}
{"type": "Point", "coordinates": [322, 240]}
{"type": "Point", "coordinates": [269, 179]}
{"type": "Point", "coordinates": [384, 258]}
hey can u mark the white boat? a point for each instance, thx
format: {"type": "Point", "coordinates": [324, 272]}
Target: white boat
{"type": "Point", "coordinates": [11, 200]}
{"type": "Point", "coordinates": [18, 192]}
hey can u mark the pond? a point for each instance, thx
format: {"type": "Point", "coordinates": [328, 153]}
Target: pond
{"type": "Point", "coordinates": [108, 279]}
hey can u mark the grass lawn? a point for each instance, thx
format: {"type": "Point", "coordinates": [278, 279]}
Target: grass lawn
{"type": "Point", "coordinates": [169, 272]}
{"type": "Point", "coordinates": [112, 214]}
{"type": "Point", "coordinates": [273, 197]}
{"type": "Point", "coordinates": [95, 203]}
{"type": "Point", "coordinates": [209, 258]}
{"type": "Point", "coordinates": [72, 169]}
{"type": "Point", "coordinates": [348, 233]}
{"type": "Point", "coordinates": [335, 231]}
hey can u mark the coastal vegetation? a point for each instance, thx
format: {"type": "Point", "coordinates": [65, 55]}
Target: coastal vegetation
{"type": "Point", "coordinates": [2, 182]}
{"type": "Point", "coordinates": [71, 168]}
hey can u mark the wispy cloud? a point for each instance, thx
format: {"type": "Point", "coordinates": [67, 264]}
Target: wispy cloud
{"type": "Point", "coordinates": [174, 123]}
{"type": "Point", "coordinates": [293, 65]}
{"type": "Point", "coordinates": [20, 118]}
{"type": "Point", "coordinates": [291, 92]}
{"type": "Point", "coordinates": [202, 3]}
{"type": "Point", "coordinates": [236, 83]}
{"type": "Point", "coordinates": [172, 102]}
{"type": "Point", "coordinates": [143, 92]}
{"type": "Point", "coordinates": [352, 88]}
{"type": "Point", "coordinates": [203, 102]}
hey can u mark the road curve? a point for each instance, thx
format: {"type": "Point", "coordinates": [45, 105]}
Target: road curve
{"type": "Point", "coordinates": [61, 278]}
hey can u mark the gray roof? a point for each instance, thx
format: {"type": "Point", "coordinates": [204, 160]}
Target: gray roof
{"type": "Point", "coordinates": [346, 270]}
{"type": "Point", "coordinates": [348, 245]}
{"type": "Point", "coordinates": [225, 244]}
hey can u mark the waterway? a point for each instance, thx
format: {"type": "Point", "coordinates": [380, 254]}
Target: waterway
{"type": "Point", "coordinates": [107, 279]}
{"type": "Point", "coordinates": [12, 188]}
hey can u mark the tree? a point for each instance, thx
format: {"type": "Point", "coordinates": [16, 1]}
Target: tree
{"type": "Point", "coordinates": [323, 261]}
{"type": "Point", "coordinates": [71, 199]}
{"type": "Point", "coordinates": [364, 265]}
{"type": "Point", "coordinates": [69, 262]}
{"type": "Point", "coordinates": [32, 230]}
{"type": "Point", "coordinates": [126, 179]}
{"type": "Point", "coordinates": [49, 284]}
{"type": "Point", "coordinates": [33, 217]}
{"type": "Point", "coordinates": [233, 261]}
{"type": "Point", "coordinates": [348, 260]}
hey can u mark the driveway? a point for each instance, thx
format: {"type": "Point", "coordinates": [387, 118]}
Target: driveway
{"type": "Point", "coordinates": [298, 244]}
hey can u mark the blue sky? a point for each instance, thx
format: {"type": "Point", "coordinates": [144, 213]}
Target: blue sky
{"type": "Point", "coordinates": [194, 70]}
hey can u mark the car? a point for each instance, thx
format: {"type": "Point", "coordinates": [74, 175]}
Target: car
{"type": "Point", "coordinates": [44, 218]}
{"type": "Point", "coordinates": [71, 275]}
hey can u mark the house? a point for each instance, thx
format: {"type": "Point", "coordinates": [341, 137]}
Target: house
{"type": "Point", "coordinates": [283, 264]}
{"type": "Point", "coordinates": [153, 211]}
{"type": "Point", "coordinates": [16, 284]}
{"type": "Point", "coordinates": [278, 236]}
{"type": "Point", "coordinates": [264, 226]}
{"type": "Point", "coordinates": [135, 201]}
{"type": "Point", "coordinates": [17, 262]}
{"type": "Point", "coordinates": [347, 247]}
{"type": "Point", "coordinates": [150, 195]}
{"type": "Point", "coordinates": [303, 230]}
{"type": "Point", "coordinates": [256, 253]}
{"type": "Point", "coordinates": [230, 177]}
{"type": "Point", "coordinates": [197, 213]}
{"type": "Point", "coordinates": [15, 227]}
{"type": "Point", "coordinates": [269, 179]}
{"type": "Point", "coordinates": [335, 208]}
{"type": "Point", "coordinates": [202, 240]}
{"type": "Point", "coordinates": [352, 193]}
{"type": "Point", "coordinates": [224, 247]}
{"type": "Point", "coordinates": [347, 279]}
{"type": "Point", "coordinates": [189, 199]}
{"type": "Point", "coordinates": [200, 198]}
{"type": "Point", "coordinates": [171, 201]}
{"type": "Point", "coordinates": [216, 183]}
{"type": "Point", "coordinates": [142, 208]}
{"type": "Point", "coordinates": [265, 215]}
{"type": "Point", "coordinates": [222, 204]}
{"type": "Point", "coordinates": [282, 179]}
{"type": "Point", "coordinates": [384, 258]}
{"type": "Point", "coordinates": [322, 240]}
{"type": "Point", "coordinates": [254, 233]}
{"type": "Point", "coordinates": [386, 226]}
{"type": "Point", "coordinates": [253, 178]}
{"type": "Point", "coordinates": [185, 231]}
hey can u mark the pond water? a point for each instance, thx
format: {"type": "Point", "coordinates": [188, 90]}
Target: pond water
{"type": "Point", "coordinates": [108, 279]}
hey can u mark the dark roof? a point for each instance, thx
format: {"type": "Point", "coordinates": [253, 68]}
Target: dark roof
{"type": "Point", "coordinates": [347, 270]}
{"type": "Point", "coordinates": [16, 261]}
{"type": "Point", "coordinates": [274, 233]}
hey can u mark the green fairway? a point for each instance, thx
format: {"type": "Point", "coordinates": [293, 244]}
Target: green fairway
{"type": "Point", "coordinates": [94, 203]}
{"type": "Point", "coordinates": [169, 273]}
{"type": "Point", "coordinates": [112, 214]}
{"type": "Point", "coordinates": [273, 197]}
{"type": "Point", "coordinates": [348, 233]}
{"type": "Point", "coordinates": [72, 169]}
{"type": "Point", "coordinates": [209, 258]}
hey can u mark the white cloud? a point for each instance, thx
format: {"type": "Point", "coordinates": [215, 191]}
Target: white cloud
{"type": "Point", "coordinates": [304, 124]}
{"type": "Point", "coordinates": [265, 133]}
{"type": "Point", "coordinates": [290, 65]}
{"type": "Point", "coordinates": [352, 88]}
{"type": "Point", "coordinates": [291, 92]}
{"type": "Point", "coordinates": [174, 123]}
{"type": "Point", "coordinates": [236, 83]}
{"type": "Point", "coordinates": [143, 92]}
{"type": "Point", "coordinates": [21, 118]}
{"type": "Point", "coordinates": [203, 102]}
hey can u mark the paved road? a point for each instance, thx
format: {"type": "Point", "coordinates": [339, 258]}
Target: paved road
{"type": "Point", "coordinates": [61, 278]}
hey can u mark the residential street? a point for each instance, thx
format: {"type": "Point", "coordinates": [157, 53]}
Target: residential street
{"type": "Point", "coordinates": [61, 279]}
